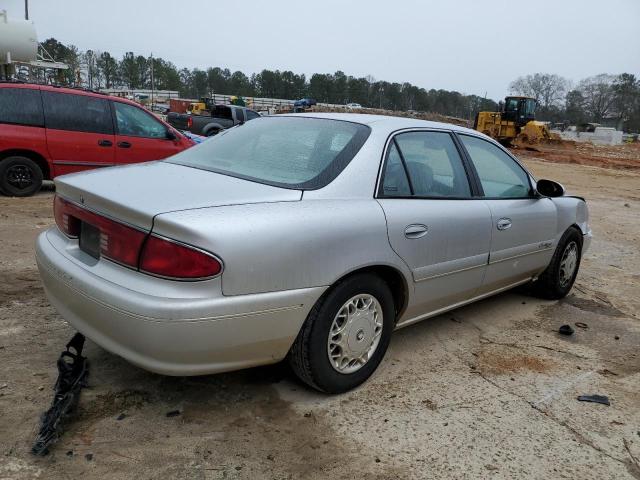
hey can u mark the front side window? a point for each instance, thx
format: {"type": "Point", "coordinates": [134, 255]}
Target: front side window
{"type": "Point", "coordinates": [21, 106]}
{"type": "Point", "coordinates": [500, 175]}
{"type": "Point", "coordinates": [291, 152]}
{"type": "Point", "coordinates": [79, 113]}
{"type": "Point", "coordinates": [433, 164]}
{"type": "Point", "coordinates": [135, 122]}
{"type": "Point", "coordinates": [251, 115]}
{"type": "Point", "coordinates": [239, 115]}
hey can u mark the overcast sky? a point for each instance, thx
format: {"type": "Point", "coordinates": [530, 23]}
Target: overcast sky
{"type": "Point", "coordinates": [473, 46]}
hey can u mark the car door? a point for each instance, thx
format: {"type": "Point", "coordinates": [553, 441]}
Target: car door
{"type": "Point", "coordinates": [523, 225]}
{"type": "Point", "coordinates": [140, 137]}
{"type": "Point", "coordinates": [79, 131]}
{"type": "Point", "coordinates": [434, 222]}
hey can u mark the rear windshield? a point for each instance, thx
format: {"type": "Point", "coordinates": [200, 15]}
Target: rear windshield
{"type": "Point", "coordinates": [291, 152]}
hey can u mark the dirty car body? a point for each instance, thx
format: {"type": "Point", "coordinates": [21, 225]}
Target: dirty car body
{"type": "Point", "coordinates": [290, 208]}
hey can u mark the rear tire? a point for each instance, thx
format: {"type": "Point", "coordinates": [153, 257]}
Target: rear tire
{"type": "Point", "coordinates": [556, 281]}
{"type": "Point", "coordinates": [345, 336]}
{"type": "Point", "coordinates": [212, 132]}
{"type": "Point", "coordinates": [20, 176]}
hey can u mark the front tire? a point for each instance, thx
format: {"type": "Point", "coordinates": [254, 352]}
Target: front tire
{"type": "Point", "coordinates": [556, 281]}
{"type": "Point", "coordinates": [345, 336]}
{"type": "Point", "coordinates": [19, 176]}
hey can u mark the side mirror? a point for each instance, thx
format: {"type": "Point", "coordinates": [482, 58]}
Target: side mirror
{"type": "Point", "coordinates": [170, 135]}
{"type": "Point", "coordinates": [549, 188]}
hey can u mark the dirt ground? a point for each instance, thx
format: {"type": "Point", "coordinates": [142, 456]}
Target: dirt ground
{"type": "Point", "coordinates": [485, 391]}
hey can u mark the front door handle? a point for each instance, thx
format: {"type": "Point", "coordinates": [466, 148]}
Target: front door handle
{"type": "Point", "coordinates": [124, 144]}
{"type": "Point", "coordinates": [416, 230]}
{"type": "Point", "coordinates": [105, 143]}
{"type": "Point", "coordinates": [504, 224]}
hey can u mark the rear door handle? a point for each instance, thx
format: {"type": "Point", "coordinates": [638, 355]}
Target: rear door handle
{"type": "Point", "coordinates": [504, 224]}
{"type": "Point", "coordinates": [416, 230]}
{"type": "Point", "coordinates": [105, 143]}
{"type": "Point", "coordinates": [124, 144]}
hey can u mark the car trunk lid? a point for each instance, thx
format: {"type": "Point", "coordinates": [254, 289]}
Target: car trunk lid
{"type": "Point", "coordinates": [135, 194]}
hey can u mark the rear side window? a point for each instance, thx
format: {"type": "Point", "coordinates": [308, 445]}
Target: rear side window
{"type": "Point", "coordinates": [395, 183]}
{"type": "Point", "coordinates": [21, 106]}
{"type": "Point", "coordinates": [79, 113]}
{"type": "Point", "coordinates": [500, 175]}
{"type": "Point", "coordinates": [135, 122]}
{"type": "Point", "coordinates": [433, 164]}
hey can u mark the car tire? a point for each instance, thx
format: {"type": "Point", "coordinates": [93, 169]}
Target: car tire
{"type": "Point", "coordinates": [351, 311]}
{"type": "Point", "coordinates": [556, 281]}
{"type": "Point", "coordinates": [19, 176]}
{"type": "Point", "coordinates": [212, 132]}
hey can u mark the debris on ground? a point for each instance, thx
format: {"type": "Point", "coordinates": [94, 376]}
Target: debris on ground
{"type": "Point", "coordinates": [173, 413]}
{"type": "Point", "coordinates": [73, 370]}
{"type": "Point", "coordinates": [582, 325]}
{"type": "Point", "coordinates": [603, 399]}
{"type": "Point", "coordinates": [565, 330]}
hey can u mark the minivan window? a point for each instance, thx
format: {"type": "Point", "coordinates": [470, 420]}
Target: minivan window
{"type": "Point", "coordinates": [79, 113]}
{"type": "Point", "coordinates": [291, 152]}
{"type": "Point", "coordinates": [500, 175]}
{"type": "Point", "coordinates": [433, 164]}
{"type": "Point", "coordinates": [21, 106]}
{"type": "Point", "coordinates": [135, 122]}
{"type": "Point", "coordinates": [252, 115]}
{"type": "Point", "coordinates": [239, 115]}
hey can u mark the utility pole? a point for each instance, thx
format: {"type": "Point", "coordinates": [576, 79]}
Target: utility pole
{"type": "Point", "coordinates": [152, 84]}
{"type": "Point", "coordinates": [26, 9]}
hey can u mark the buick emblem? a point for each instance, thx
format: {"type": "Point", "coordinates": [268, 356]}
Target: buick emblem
{"type": "Point", "coordinates": [81, 199]}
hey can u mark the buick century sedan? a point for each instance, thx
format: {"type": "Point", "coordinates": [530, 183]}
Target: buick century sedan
{"type": "Point", "coordinates": [306, 237]}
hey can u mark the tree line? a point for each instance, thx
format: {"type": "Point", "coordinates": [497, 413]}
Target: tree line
{"type": "Point", "coordinates": [601, 98]}
{"type": "Point", "coordinates": [610, 99]}
{"type": "Point", "coordinates": [95, 70]}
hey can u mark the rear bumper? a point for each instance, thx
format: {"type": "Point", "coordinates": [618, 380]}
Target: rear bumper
{"type": "Point", "coordinates": [172, 336]}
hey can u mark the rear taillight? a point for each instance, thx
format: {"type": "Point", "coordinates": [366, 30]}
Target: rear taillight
{"type": "Point", "coordinates": [170, 259]}
{"type": "Point", "coordinates": [124, 244]}
{"type": "Point", "coordinates": [118, 242]}
{"type": "Point", "coordinates": [189, 122]}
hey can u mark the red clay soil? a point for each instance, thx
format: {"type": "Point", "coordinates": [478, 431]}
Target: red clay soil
{"type": "Point", "coordinates": [621, 157]}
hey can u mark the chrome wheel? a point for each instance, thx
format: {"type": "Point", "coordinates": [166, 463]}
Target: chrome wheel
{"type": "Point", "coordinates": [568, 263]}
{"type": "Point", "coordinates": [355, 333]}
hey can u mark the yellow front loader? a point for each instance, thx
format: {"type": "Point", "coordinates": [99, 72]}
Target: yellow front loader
{"type": "Point", "coordinates": [515, 124]}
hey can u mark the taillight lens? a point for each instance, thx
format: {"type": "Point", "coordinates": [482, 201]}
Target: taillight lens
{"type": "Point", "coordinates": [118, 242]}
{"type": "Point", "coordinates": [175, 260]}
{"type": "Point", "coordinates": [189, 122]}
{"type": "Point", "coordinates": [124, 244]}
{"type": "Point", "coordinates": [68, 224]}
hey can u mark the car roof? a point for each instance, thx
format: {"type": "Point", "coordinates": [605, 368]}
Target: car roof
{"type": "Point", "coordinates": [384, 122]}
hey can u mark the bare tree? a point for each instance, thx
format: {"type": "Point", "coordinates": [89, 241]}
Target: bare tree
{"type": "Point", "coordinates": [599, 95]}
{"type": "Point", "coordinates": [548, 89]}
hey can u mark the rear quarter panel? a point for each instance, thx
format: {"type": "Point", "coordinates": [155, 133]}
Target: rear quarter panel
{"type": "Point", "coordinates": [18, 137]}
{"type": "Point", "coordinates": [286, 245]}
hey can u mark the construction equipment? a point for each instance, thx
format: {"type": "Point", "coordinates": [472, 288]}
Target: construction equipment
{"type": "Point", "coordinates": [515, 124]}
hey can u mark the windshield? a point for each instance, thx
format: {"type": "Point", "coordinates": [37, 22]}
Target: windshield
{"type": "Point", "coordinates": [291, 152]}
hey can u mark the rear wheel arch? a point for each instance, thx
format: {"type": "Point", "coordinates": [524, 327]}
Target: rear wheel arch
{"type": "Point", "coordinates": [394, 278]}
{"type": "Point", "coordinates": [32, 155]}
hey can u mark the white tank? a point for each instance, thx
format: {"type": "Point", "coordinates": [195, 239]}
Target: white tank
{"type": "Point", "coordinates": [18, 40]}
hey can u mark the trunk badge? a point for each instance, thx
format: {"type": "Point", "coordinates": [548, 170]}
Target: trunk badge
{"type": "Point", "coordinates": [81, 199]}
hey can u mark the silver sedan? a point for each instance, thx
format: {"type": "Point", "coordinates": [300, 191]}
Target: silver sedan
{"type": "Point", "coordinates": [308, 237]}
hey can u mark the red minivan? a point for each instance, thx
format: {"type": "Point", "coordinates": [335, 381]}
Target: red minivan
{"type": "Point", "coordinates": [47, 131]}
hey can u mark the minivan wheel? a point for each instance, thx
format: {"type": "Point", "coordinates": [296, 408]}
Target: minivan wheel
{"type": "Point", "coordinates": [345, 336]}
{"type": "Point", "coordinates": [556, 281]}
{"type": "Point", "coordinates": [19, 176]}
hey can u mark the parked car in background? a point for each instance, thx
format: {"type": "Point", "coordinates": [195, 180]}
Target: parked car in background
{"type": "Point", "coordinates": [48, 131]}
{"type": "Point", "coordinates": [310, 237]}
{"type": "Point", "coordinates": [305, 102]}
{"type": "Point", "coordinates": [220, 118]}
{"type": "Point", "coordinates": [353, 106]}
